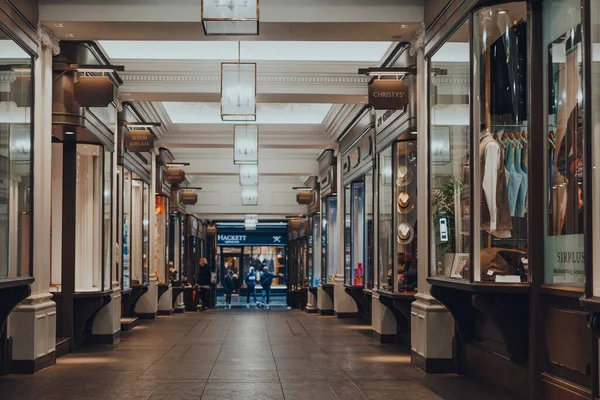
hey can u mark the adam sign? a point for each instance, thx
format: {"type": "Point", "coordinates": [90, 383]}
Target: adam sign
{"type": "Point", "coordinates": [388, 94]}
{"type": "Point", "coordinates": [139, 141]}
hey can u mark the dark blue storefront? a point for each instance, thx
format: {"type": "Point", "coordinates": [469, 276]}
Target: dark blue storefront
{"type": "Point", "coordinates": [239, 249]}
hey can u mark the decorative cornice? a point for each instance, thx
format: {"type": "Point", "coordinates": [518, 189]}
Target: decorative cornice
{"type": "Point", "coordinates": [418, 41]}
{"type": "Point", "coordinates": [449, 81]}
{"type": "Point", "coordinates": [220, 155]}
{"type": "Point", "coordinates": [262, 135]}
{"type": "Point", "coordinates": [47, 40]}
{"type": "Point", "coordinates": [261, 79]}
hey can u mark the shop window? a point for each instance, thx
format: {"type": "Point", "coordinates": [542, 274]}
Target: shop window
{"type": "Point", "coordinates": [562, 41]}
{"type": "Point", "coordinates": [107, 228]}
{"type": "Point", "coordinates": [358, 234]}
{"type": "Point", "coordinates": [316, 243]}
{"type": "Point", "coordinates": [386, 230]}
{"type": "Point", "coordinates": [161, 212]}
{"type": "Point", "coordinates": [405, 179]}
{"type": "Point", "coordinates": [449, 139]}
{"type": "Point", "coordinates": [89, 218]}
{"type": "Point", "coordinates": [348, 199]}
{"type": "Point", "coordinates": [15, 160]}
{"type": "Point", "coordinates": [332, 239]}
{"type": "Point", "coordinates": [126, 272]}
{"type": "Point", "coordinates": [369, 234]}
{"type": "Point", "coordinates": [500, 163]}
{"type": "Point", "coordinates": [595, 171]}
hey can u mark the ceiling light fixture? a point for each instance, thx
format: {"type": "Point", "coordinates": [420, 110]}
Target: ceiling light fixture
{"type": "Point", "coordinates": [245, 144]}
{"type": "Point", "coordinates": [230, 17]}
{"type": "Point", "coordinates": [59, 25]}
{"type": "Point", "coordinates": [177, 164]}
{"type": "Point", "coordinates": [387, 71]}
{"type": "Point", "coordinates": [238, 90]}
{"type": "Point", "coordinates": [70, 35]}
{"type": "Point", "coordinates": [142, 125]}
{"type": "Point", "coordinates": [249, 175]}
{"type": "Point", "coordinates": [250, 195]}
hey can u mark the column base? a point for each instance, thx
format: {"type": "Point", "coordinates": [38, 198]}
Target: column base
{"type": "Point", "coordinates": [105, 338]}
{"type": "Point", "coordinates": [153, 315]}
{"type": "Point", "coordinates": [33, 366]}
{"type": "Point", "coordinates": [432, 365]}
{"type": "Point", "coordinates": [325, 312]}
{"type": "Point", "coordinates": [432, 332]}
{"type": "Point", "coordinates": [343, 303]}
{"type": "Point", "coordinates": [346, 314]}
{"type": "Point", "coordinates": [32, 327]}
{"type": "Point", "coordinates": [147, 305]}
{"type": "Point", "coordinates": [383, 338]}
{"type": "Point", "coordinates": [128, 324]}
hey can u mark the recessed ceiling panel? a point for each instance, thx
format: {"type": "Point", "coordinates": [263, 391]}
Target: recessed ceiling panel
{"type": "Point", "coordinates": [250, 51]}
{"type": "Point", "coordinates": [272, 113]}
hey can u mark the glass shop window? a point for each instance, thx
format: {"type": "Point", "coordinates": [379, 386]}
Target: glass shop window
{"type": "Point", "coordinates": [324, 255]}
{"type": "Point", "coordinates": [562, 39]}
{"type": "Point", "coordinates": [127, 181]}
{"type": "Point", "coordinates": [500, 127]}
{"type": "Point", "coordinates": [348, 199]}
{"type": "Point", "coordinates": [595, 107]}
{"type": "Point", "coordinates": [386, 230]}
{"type": "Point", "coordinates": [449, 137]}
{"type": "Point", "coordinates": [358, 234]}
{"type": "Point", "coordinates": [16, 136]}
{"type": "Point", "coordinates": [146, 233]}
{"type": "Point", "coordinates": [161, 212]}
{"type": "Point", "coordinates": [369, 235]}
{"type": "Point", "coordinates": [107, 232]}
{"type": "Point", "coordinates": [316, 270]}
{"type": "Point", "coordinates": [405, 178]}
{"type": "Point", "coordinates": [332, 239]}
{"type": "Point", "coordinates": [56, 231]}
{"type": "Point", "coordinates": [89, 220]}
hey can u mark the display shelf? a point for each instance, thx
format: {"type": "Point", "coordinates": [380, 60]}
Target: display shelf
{"type": "Point", "coordinates": [483, 287]}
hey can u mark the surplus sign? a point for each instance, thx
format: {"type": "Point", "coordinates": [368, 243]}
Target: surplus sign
{"type": "Point", "coordinates": [388, 94]}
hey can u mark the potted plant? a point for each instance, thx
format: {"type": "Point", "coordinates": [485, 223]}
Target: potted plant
{"type": "Point", "coordinates": [444, 206]}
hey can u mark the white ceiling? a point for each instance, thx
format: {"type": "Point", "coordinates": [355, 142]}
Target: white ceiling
{"type": "Point", "coordinates": [209, 113]}
{"type": "Point", "coordinates": [249, 51]}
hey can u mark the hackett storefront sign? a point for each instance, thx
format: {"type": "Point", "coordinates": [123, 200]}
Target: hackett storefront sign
{"type": "Point", "coordinates": [388, 94]}
{"type": "Point", "coordinates": [251, 239]}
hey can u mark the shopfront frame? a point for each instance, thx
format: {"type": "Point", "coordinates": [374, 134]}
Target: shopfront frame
{"type": "Point", "coordinates": [529, 342]}
{"type": "Point", "coordinates": [328, 178]}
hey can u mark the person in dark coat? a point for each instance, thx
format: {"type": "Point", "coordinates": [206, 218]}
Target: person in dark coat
{"type": "Point", "coordinates": [204, 281]}
{"type": "Point", "coordinates": [250, 286]}
{"type": "Point", "coordinates": [266, 279]}
{"type": "Point", "coordinates": [228, 285]}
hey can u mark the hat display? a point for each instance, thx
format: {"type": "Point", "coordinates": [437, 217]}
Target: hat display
{"type": "Point", "coordinates": [405, 233]}
{"type": "Point", "coordinates": [405, 202]}
{"type": "Point", "coordinates": [404, 175]}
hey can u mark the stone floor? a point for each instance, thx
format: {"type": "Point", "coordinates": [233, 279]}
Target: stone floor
{"type": "Point", "coordinates": [242, 354]}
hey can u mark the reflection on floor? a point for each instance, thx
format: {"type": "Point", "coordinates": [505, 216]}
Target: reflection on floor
{"type": "Point", "coordinates": [242, 354]}
{"type": "Point", "coordinates": [277, 301]}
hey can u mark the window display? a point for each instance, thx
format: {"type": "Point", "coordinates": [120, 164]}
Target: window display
{"type": "Point", "coordinates": [139, 231]}
{"type": "Point", "coordinates": [369, 235]}
{"type": "Point", "coordinates": [500, 172]}
{"type": "Point", "coordinates": [564, 255]}
{"type": "Point", "coordinates": [595, 107]}
{"type": "Point", "coordinates": [126, 272]}
{"type": "Point", "coordinates": [406, 216]}
{"type": "Point", "coordinates": [161, 224]}
{"type": "Point", "coordinates": [386, 231]}
{"type": "Point", "coordinates": [16, 107]}
{"type": "Point", "coordinates": [315, 271]}
{"type": "Point", "coordinates": [348, 223]}
{"type": "Point", "coordinates": [329, 239]}
{"type": "Point", "coordinates": [449, 137]}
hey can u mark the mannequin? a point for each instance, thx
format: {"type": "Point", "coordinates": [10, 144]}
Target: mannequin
{"type": "Point", "coordinates": [495, 212]}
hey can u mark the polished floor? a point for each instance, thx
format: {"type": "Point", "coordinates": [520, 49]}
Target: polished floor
{"type": "Point", "coordinates": [242, 354]}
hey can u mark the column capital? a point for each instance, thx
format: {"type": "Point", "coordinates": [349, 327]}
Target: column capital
{"type": "Point", "coordinates": [47, 40]}
{"type": "Point", "coordinates": [418, 41]}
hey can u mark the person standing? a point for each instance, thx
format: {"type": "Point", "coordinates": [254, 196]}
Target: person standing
{"type": "Point", "coordinates": [250, 286]}
{"type": "Point", "coordinates": [204, 281]}
{"type": "Point", "coordinates": [228, 285]}
{"type": "Point", "coordinates": [266, 279]}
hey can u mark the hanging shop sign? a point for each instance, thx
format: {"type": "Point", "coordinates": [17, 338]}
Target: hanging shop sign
{"type": "Point", "coordinates": [251, 239]}
{"type": "Point", "coordinates": [139, 141]}
{"type": "Point", "coordinates": [93, 91]}
{"type": "Point", "coordinates": [388, 94]}
{"type": "Point", "coordinates": [189, 198]}
{"type": "Point", "coordinates": [174, 176]}
{"type": "Point", "coordinates": [304, 197]}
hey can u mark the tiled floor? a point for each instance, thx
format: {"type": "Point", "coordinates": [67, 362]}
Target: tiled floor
{"type": "Point", "coordinates": [242, 354]}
